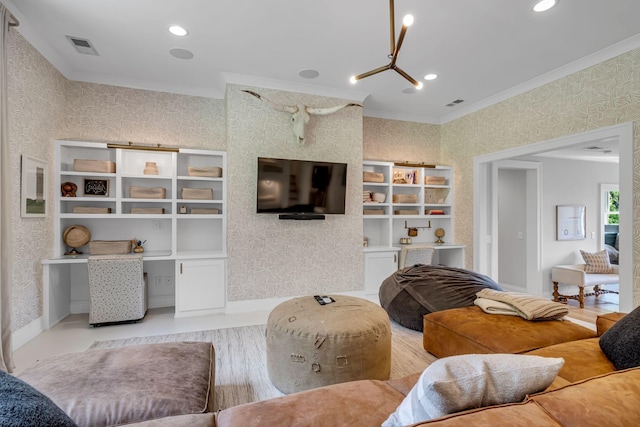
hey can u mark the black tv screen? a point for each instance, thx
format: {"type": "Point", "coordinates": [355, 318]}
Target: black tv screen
{"type": "Point", "coordinates": [301, 186]}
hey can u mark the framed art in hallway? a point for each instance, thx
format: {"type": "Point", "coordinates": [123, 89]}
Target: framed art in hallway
{"type": "Point", "coordinates": [571, 222]}
{"type": "Point", "coordinates": [33, 196]}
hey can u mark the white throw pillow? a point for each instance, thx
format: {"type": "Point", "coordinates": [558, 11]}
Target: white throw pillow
{"type": "Point", "coordinates": [458, 383]}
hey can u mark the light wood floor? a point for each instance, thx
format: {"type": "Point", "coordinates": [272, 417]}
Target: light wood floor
{"type": "Point", "coordinates": [593, 306]}
{"type": "Point", "coordinates": [74, 333]}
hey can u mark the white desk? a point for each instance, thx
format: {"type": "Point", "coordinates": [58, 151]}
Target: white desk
{"type": "Point", "coordinates": [382, 261]}
{"type": "Point", "coordinates": [65, 284]}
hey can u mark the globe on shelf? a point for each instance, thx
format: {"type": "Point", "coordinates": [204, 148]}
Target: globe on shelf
{"type": "Point", "coordinates": [439, 234]}
{"type": "Point", "coordinates": [74, 237]}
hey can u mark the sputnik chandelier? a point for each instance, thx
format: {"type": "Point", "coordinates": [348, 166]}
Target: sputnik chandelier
{"type": "Point", "coordinates": [395, 50]}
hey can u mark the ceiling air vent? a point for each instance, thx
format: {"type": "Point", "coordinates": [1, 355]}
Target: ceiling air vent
{"type": "Point", "coordinates": [454, 103]}
{"type": "Point", "coordinates": [83, 46]}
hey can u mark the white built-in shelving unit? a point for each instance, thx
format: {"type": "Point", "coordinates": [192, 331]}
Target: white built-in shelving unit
{"type": "Point", "coordinates": [185, 253]}
{"type": "Point", "coordinates": [411, 200]}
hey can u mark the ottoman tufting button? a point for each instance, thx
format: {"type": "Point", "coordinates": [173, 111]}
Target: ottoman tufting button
{"type": "Point", "coordinates": [315, 367]}
{"type": "Point", "coordinates": [298, 358]}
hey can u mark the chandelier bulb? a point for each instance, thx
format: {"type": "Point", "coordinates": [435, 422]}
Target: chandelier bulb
{"type": "Point", "coordinates": [419, 85]}
{"type": "Point", "coordinates": [353, 80]}
{"type": "Point", "coordinates": [407, 21]}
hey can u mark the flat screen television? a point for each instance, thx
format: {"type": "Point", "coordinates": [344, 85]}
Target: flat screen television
{"type": "Point", "coordinates": [301, 187]}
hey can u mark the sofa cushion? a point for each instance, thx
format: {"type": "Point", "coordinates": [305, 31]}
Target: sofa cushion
{"type": "Point", "coordinates": [513, 415]}
{"type": "Point", "coordinates": [607, 400]}
{"type": "Point", "coordinates": [470, 330]}
{"type": "Point", "coordinates": [354, 403]}
{"type": "Point", "coordinates": [128, 384]}
{"type": "Point", "coordinates": [459, 383]}
{"type": "Point", "coordinates": [597, 262]}
{"type": "Point", "coordinates": [604, 322]}
{"type": "Point", "coordinates": [23, 406]}
{"type": "Point", "coordinates": [582, 359]}
{"type": "Point", "coordinates": [621, 343]}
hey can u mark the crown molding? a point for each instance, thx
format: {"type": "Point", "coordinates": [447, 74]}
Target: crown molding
{"type": "Point", "coordinates": [595, 58]}
{"type": "Point", "coordinates": [402, 116]}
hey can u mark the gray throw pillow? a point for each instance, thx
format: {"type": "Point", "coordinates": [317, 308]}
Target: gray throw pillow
{"type": "Point", "coordinates": [621, 343]}
{"type": "Point", "coordinates": [23, 406]}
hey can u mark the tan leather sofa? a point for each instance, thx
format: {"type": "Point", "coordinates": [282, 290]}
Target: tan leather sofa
{"type": "Point", "coordinates": [587, 392]}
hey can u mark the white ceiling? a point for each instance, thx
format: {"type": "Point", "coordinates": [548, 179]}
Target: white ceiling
{"type": "Point", "coordinates": [483, 51]}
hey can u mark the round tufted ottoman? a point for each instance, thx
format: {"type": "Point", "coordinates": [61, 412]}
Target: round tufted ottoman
{"type": "Point", "coordinates": [311, 345]}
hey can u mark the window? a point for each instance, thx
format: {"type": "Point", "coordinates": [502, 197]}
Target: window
{"type": "Point", "coordinates": [611, 206]}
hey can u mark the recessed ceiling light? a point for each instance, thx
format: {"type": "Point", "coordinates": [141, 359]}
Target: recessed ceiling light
{"type": "Point", "coordinates": [181, 53]}
{"type": "Point", "coordinates": [431, 76]}
{"type": "Point", "coordinates": [177, 30]}
{"type": "Point", "coordinates": [309, 74]}
{"type": "Point", "coordinates": [544, 5]}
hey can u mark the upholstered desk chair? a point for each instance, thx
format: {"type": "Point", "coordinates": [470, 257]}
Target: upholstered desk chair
{"type": "Point", "coordinates": [117, 289]}
{"type": "Point", "coordinates": [415, 254]}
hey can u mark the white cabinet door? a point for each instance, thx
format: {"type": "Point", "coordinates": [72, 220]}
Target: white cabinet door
{"type": "Point", "coordinates": [377, 267]}
{"type": "Point", "coordinates": [200, 286]}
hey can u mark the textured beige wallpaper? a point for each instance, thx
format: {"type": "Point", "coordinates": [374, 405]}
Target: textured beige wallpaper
{"type": "Point", "coordinates": [109, 113]}
{"type": "Point", "coordinates": [394, 140]}
{"type": "Point", "coordinates": [602, 95]}
{"type": "Point", "coordinates": [36, 94]}
{"type": "Point", "coordinates": [271, 258]}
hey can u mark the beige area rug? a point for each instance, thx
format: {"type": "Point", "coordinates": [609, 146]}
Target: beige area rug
{"type": "Point", "coordinates": [241, 364]}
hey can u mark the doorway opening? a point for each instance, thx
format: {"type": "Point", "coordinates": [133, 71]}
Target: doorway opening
{"type": "Point", "coordinates": [487, 223]}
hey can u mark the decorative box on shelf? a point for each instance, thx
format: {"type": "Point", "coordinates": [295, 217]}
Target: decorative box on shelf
{"type": "Point", "coordinates": [372, 177]}
{"type": "Point", "coordinates": [211, 171]}
{"type": "Point", "coordinates": [197, 193]}
{"type": "Point", "coordinates": [148, 211]}
{"type": "Point", "coordinates": [90, 210]}
{"type": "Point", "coordinates": [147, 193]}
{"type": "Point", "coordinates": [109, 247]}
{"type": "Point", "coordinates": [434, 180]}
{"type": "Point", "coordinates": [373, 212]}
{"type": "Point", "coordinates": [436, 195]}
{"type": "Point", "coordinates": [205, 211]}
{"type": "Point", "coordinates": [102, 166]}
{"type": "Point", "coordinates": [405, 212]}
{"type": "Point", "coordinates": [405, 198]}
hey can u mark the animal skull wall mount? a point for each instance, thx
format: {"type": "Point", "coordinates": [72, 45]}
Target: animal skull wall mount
{"type": "Point", "coordinates": [300, 114]}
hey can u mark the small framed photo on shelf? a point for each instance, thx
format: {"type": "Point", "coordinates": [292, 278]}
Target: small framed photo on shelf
{"type": "Point", "coordinates": [96, 187]}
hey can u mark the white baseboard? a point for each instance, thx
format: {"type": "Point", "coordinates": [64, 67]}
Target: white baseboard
{"type": "Point", "coordinates": [27, 333]}
{"type": "Point", "coordinates": [268, 304]}
{"type": "Point", "coordinates": [78, 307]}
{"type": "Point", "coordinates": [161, 301]}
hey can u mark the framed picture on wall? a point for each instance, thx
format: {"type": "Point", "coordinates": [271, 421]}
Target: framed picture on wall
{"type": "Point", "coordinates": [33, 195]}
{"type": "Point", "coordinates": [571, 221]}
